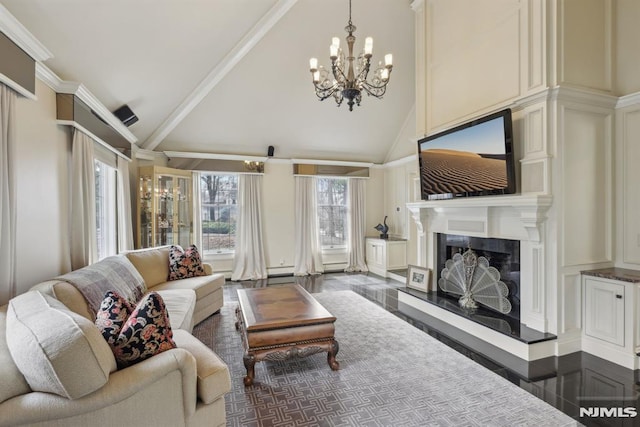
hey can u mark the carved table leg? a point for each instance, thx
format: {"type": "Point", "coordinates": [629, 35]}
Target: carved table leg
{"type": "Point", "coordinates": [237, 318]}
{"type": "Point", "coordinates": [249, 363]}
{"type": "Point", "coordinates": [331, 356]}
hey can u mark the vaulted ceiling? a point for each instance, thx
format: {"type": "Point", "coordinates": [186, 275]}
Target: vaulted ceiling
{"type": "Point", "coordinates": [230, 76]}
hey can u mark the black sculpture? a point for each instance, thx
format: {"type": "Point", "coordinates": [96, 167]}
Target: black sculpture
{"type": "Point", "coordinates": [383, 228]}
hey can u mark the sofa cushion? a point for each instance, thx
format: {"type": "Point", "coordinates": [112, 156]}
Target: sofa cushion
{"type": "Point", "coordinates": [146, 332]}
{"type": "Point", "coordinates": [184, 263]}
{"type": "Point", "coordinates": [57, 350]}
{"type": "Point", "coordinates": [13, 382]}
{"type": "Point", "coordinates": [112, 315]}
{"type": "Point", "coordinates": [202, 285]}
{"type": "Point", "coordinates": [181, 305]}
{"type": "Point", "coordinates": [67, 294]}
{"type": "Point", "coordinates": [152, 264]}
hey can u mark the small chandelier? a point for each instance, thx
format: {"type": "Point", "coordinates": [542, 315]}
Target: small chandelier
{"type": "Point", "coordinates": [254, 166]}
{"type": "Point", "coordinates": [348, 78]}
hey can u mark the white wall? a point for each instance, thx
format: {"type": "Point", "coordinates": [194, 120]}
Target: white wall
{"type": "Point", "coordinates": [405, 143]}
{"type": "Point", "coordinates": [278, 215]}
{"type": "Point", "coordinates": [627, 35]}
{"type": "Point", "coordinates": [43, 157]}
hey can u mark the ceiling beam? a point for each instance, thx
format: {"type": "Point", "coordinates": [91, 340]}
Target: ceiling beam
{"type": "Point", "coordinates": [216, 75]}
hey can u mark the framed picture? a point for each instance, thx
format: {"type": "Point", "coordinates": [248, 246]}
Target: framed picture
{"type": "Point", "coordinates": [418, 278]}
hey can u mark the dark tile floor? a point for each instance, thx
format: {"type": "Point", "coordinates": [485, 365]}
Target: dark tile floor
{"type": "Point", "coordinates": [567, 383]}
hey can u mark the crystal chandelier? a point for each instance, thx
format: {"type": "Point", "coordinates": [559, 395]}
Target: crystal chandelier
{"type": "Point", "coordinates": [348, 77]}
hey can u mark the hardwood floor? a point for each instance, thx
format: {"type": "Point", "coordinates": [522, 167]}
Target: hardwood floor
{"type": "Point", "coordinates": [567, 383]}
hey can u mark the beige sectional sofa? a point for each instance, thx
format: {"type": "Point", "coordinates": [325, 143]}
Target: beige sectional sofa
{"type": "Point", "coordinates": [53, 336]}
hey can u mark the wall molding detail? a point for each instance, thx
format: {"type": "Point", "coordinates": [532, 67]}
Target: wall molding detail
{"type": "Point", "coordinates": [51, 79]}
{"type": "Point", "coordinates": [13, 29]}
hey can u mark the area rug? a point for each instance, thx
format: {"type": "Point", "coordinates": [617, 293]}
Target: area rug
{"type": "Point", "coordinates": [391, 374]}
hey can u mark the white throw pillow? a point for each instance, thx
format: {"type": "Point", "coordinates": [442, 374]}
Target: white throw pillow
{"type": "Point", "coordinates": [57, 350]}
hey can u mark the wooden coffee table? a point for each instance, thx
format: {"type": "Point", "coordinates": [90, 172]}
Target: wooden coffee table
{"type": "Point", "coordinates": [281, 322]}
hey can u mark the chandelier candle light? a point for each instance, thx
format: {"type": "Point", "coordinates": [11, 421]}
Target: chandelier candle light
{"type": "Point", "coordinates": [353, 82]}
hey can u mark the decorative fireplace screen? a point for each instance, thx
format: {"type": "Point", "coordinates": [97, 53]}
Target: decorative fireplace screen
{"type": "Point", "coordinates": [475, 281]}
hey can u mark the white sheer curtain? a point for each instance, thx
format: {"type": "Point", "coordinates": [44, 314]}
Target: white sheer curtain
{"type": "Point", "coordinates": [197, 211]}
{"type": "Point", "coordinates": [308, 256]}
{"type": "Point", "coordinates": [83, 201]}
{"type": "Point", "coordinates": [125, 227]}
{"type": "Point", "coordinates": [356, 191]}
{"type": "Point", "coordinates": [248, 260]}
{"type": "Point", "coordinates": [7, 194]}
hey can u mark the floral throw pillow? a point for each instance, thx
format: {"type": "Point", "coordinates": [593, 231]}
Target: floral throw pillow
{"type": "Point", "coordinates": [112, 315]}
{"type": "Point", "coordinates": [145, 332]}
{"type": "Point", "coordinates": [184, 263]}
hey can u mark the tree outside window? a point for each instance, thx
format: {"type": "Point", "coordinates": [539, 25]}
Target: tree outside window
{"type": "Point", "coordinates": [219, 197]}
{"type": "Point", "coordinates": [332, 212]}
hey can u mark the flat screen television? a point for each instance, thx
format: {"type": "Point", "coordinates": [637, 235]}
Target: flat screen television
{"type": "Point", "coordinates": [472, 159]}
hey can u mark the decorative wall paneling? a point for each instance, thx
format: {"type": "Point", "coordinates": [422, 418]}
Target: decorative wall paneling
{"type": "Point", "coordinates": [551, 62]}
{"type": "Point", "coordinates": [627, 179]}
{"type": "Point", "coordinates": [585, 44]}
{"type": "Point", "coordinates": [585, 184]}
{"type": "Point", "coordinates": [504, 43]}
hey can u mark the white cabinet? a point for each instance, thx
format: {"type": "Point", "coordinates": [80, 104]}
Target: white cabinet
{"type": "Point", "coordinates": [385, 254]}
{"type": "Point", "coordinates": [604, 308]}
{"type": "Point", "coordinates": [610, 315]}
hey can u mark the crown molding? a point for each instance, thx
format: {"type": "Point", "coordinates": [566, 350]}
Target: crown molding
{"type": "Point", "coordinates": [398, 162]}
{"type": "Point", "coordinates": [278, 161]}
{"type": "Point", "coordinates": [573, 94]}
{"type": "Point", "coordinates": [416, 5]}
{"type": "Point", "coordinates": [142, 154]}
{"type": "Point", "coordinates": [215, 76]}
{"type": "Point", "coordinates": [628, 100]}
{"type": "Point", "coordinates": [48, 77]}
{"type": "Point", "coordinates": [214, 156]}
{"type": "Point", "coordinates": [13, 29]}
{"type": "Point", "coordinates": [331, 163]}
{"type": "Point", "coordinates": [52, 80]}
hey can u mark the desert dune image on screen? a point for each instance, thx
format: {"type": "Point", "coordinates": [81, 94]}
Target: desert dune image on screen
{"type": "Point", "coordinates": [469, 160]}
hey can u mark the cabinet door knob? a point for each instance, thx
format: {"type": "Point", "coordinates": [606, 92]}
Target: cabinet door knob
{"type": "Point", "coordinates": [618, 296]}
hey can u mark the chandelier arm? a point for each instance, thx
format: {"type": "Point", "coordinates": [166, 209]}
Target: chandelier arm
{"type": "Point", "coordinates": [373, 86]}
{"type": "Point", "coordinates": [377, 91]}
{"type": "Point", "coordinates": [338, 73]}
{"type": "Point", "coordinates": [364, 72]}
{"type": "Point", "coordinates": [324, 93]}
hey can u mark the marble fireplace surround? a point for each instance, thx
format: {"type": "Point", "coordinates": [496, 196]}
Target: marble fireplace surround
{"type": "Point", "coordinates": [518, 217]}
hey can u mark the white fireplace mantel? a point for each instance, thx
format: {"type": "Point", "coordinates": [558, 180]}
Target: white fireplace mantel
{"type": "Point", "coordinates": [484, 216]}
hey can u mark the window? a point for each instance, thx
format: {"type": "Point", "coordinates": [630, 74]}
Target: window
{"type": "Point", "coordinates": [219, 200]}
{"type": "Point", "coordinates": [332, 212]}
{"type": "Point", "coordinates": [106, 210]}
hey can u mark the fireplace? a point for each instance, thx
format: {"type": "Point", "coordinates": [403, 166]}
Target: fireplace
{"type": "Point", "coordinates": [502, 254]}
{"type": "Point", "coordinates": [510, 232]}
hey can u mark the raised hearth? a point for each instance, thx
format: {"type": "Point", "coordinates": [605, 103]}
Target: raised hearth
{"type": "Point", "coordinates": [490, 319]}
